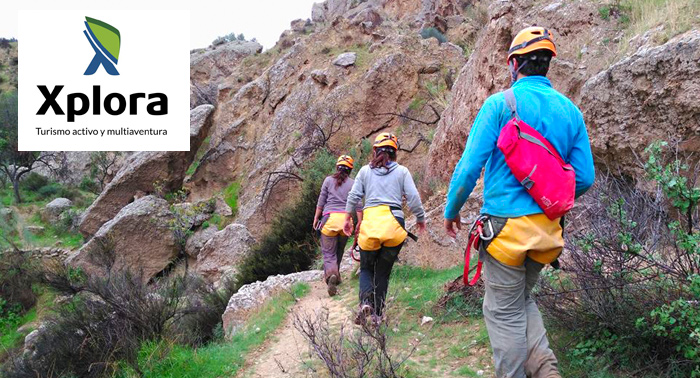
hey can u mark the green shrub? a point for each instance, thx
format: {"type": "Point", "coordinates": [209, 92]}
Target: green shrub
{"type": "Point", "coordinates": [109, 318]}
{"type": "Point", "coordinates": [49, 191]}
{"type": "Point", "coordinates": [431, 32]}
{"type": "Point", "coordinates": [630, 288]}
{"type": "Point", "coordinates": [290, 246]}
{"type": "Point", "coordinates": [34, 182]}
{"type": "Point", "coordinates": [17, 276]}
{"type": "Point", "coordinates": [231, 196]}
{"type": "Point", "coordinates": [89, 185]}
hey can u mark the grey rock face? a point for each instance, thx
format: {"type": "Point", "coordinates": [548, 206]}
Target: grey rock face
{"type": "Point", "coordinates": [646, 97]}
{"type": "Point", "coordinates": [198, 240]}
{"type": "Point", "coordinates": [223, 252]}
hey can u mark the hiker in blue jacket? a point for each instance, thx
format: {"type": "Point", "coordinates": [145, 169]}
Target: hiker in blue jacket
{"type": "Point", "coordinates": [525, 239]}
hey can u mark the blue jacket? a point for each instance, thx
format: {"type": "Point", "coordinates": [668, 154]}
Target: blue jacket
{"type": "Point", "coordinates": [546, 110]}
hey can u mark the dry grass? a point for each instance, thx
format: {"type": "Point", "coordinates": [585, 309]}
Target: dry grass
{"type": "Point", "coordinates": [676, 17]}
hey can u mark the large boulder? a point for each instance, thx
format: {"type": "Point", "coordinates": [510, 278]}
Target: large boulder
{"type": "Point", "coordinates": [137, 238]}
{"type": "Point", "coordinates": [251, 296]}
{"type": "Point", "coordinates": [142, 170]}
{"type": "Point", "coordinates": [223, 252]}
{"type": "Point", "coordinates": [651, 95]}
{"type": "Point", "coordinates": [53, 210]}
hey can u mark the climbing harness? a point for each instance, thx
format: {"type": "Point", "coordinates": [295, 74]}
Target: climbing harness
{"type": "Point", "coordinates": [476, 236]}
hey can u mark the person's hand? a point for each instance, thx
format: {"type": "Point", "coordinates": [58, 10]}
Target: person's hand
{"type": "Point", "coordinates": [421, 227]}
{"type": "Point", "coordinates": [314, 224]}
{"type": "Point", "coordinates": [347, 227]}
{"type": "Point", "coordinates": [451, 224]}
{"type": "Point", "coordinates": [357, 228]}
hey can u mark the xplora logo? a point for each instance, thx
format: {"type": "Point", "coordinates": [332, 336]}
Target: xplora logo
{"type": "Point", "coordinates": [105, 39]}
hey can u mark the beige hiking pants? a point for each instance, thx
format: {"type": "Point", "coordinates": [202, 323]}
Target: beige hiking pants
{"type": "Point", "coordinates": [517, 334]}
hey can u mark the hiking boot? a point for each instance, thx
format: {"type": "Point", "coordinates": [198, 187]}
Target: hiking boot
{"type": "Point", "coordinates": [365, 311]}
{"type": "Point", "coordinates": [332, 285]}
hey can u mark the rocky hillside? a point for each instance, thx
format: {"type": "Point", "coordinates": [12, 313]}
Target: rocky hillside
{"type": "Point", "coordinates": [420, 69]}
{"type": "Point", "coordinates": [8, 65]}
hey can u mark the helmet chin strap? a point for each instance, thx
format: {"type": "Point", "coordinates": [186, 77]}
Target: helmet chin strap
{"type": "Point", "coordinates": [513, 71]}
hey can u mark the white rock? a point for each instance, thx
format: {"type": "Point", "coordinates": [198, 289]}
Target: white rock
{"type": "Point", "coordinates": [345, 59]}
{"type": "Point", "coordinates": [253, 295]}
{"type": "Point", "coordinates": [426, 320]}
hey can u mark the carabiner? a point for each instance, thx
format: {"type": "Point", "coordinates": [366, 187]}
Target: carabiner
{"type": "Point", "coordinates": [490, 235]}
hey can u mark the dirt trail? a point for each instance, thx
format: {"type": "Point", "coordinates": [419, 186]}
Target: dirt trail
{"type": "Point", "coordinates": [286, 353]}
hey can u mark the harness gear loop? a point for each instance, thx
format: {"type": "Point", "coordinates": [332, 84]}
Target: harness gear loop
{"type": "Point", "coordinates": [476, 235]}
{"type": "Point", "coordinates": [353, 249]}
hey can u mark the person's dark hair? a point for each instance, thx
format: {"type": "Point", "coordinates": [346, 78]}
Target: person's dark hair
{"type": "Point", "coordinates": [537, 62]}
{"type": "Point", "coordinates": [382, 157]}
{"type": "Point", "coordinates": [341, 174]}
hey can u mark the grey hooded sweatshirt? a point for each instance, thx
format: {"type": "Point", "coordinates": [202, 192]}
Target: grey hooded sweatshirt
{"type": "Point", "coordinates": [385, 186]}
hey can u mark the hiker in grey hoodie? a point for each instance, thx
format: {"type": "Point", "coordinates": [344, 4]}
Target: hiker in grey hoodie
{"type": "Point", "coordinates": [383, 184]}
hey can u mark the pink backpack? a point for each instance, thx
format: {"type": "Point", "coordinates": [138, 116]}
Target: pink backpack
{"type": "Point", "coordinates": [536, 164]}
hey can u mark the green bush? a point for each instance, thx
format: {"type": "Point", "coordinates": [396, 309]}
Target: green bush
{"type": "Point", "coordinates": [290, 246]}
{"type": "Point", "coordinates": [433, 33]}
{"type": "Point", "coordinates": [34, 182]}
{"type": "Point", "coordinates": [17, 276]}
{"type": "Point", "coordinates": [629, 289]}
{"type": "Point", "coordinates": [89, 185]}
{"type": "Point", "coordinates": [231, 196]}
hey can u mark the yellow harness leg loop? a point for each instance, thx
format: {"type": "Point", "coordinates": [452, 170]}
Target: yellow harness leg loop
{"type": "Point", "coordinates": [534, 236]}
{"type": "Point", "coordinates": [334, 224]}
{"type": "Point", "coordinates": [380, 228]}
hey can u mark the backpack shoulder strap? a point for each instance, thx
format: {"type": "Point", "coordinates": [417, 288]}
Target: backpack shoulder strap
{"type": "Point", "coordinates": [511, 102]}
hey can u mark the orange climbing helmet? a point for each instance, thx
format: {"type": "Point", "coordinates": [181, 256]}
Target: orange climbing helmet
{"type": "Point", "coordinates": [532, 39]}
{"type": "Point", "coordinates": [386, 140]}
{"type": "Point", "coordinates": [345, 160]}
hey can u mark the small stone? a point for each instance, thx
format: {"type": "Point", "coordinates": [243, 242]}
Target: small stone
{"type": "Point", "coordinates": [430, 68]}
{"type": "Point", "coordinates": [26, 328]}
{"type": "Point", "coordinates": [426, 320]}
{"type": "Point", "coordinates": [320, 76]}
{"type": "Point", "coordinates": [257, 329]}
{"type": "Point", "coordinates": [36, 230]}
{"type": "Point", "coordinates": [551, 7]}
{"type": "Point", "coordinates": [480, 372]}
{"type": "Point", "coordinates": [345, 59]}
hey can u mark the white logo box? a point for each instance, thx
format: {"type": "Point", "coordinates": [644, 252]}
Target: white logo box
{"type": "Point", "coordinates": [153, 58]}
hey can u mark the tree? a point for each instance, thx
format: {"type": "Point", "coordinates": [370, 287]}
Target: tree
{"type": "Point", "coordinates": [101, 164]}
{"type": "Point", "coordinates": [14, 163]}
{"type": "Point", "coordinates": [241, 37]}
